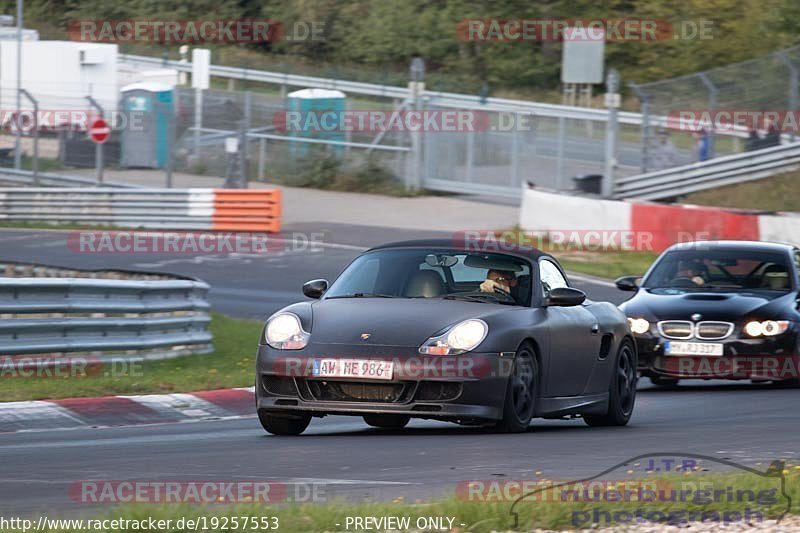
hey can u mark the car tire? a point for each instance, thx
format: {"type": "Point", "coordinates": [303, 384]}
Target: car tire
{"type": "Point", "coordinates": [660, 381]}
{"type": "Point", "coordinates": [387, 421]}
{"type": "Point", "coordinates": [283, 425]}
{"type": "Point", "coordinates": [622, 390]}
{"type": "Point", "coordinates": [522, 391]}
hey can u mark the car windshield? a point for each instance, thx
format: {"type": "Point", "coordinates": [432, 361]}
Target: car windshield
{"type": "Point", "coordinates": [435, 273]}
{"type": "Point", "coordinates": [721, 270]}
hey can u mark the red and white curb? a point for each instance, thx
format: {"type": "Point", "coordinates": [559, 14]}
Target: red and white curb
{"type": "Point", "coordinates": [646, 225]}
{"type": "Point", "coordinates": [114, 411]}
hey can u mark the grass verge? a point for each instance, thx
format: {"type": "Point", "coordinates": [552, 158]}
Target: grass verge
{"type": "Point", "coordinates": [230, 365]}
{"type": "Point", "coordinates": [764, 498]}
{"type": "Point", "coordinates": [778, 193]}
{"type": "Point", "coordinates": [607, 263]}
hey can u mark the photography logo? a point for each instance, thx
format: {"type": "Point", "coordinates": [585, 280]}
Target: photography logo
{"type": "Point", "coordinates": [687, 488]}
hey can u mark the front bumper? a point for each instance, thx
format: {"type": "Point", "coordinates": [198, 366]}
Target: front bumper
{"type": "Point", "coordinates": [765, 358]}
{"type": "Point", "coordinates": [465, 388]}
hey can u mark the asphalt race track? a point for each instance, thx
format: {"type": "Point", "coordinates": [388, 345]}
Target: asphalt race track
{"type": "Point", "coordinates": [745, 423]}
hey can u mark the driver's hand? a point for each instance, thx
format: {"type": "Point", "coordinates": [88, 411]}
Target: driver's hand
{"type": "Point", "coordinates": [489, 285]}
{"type": "Point", "coordinates": [698, 280]}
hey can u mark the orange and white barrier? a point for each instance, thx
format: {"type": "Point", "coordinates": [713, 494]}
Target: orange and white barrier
{"type": "Point", "coordinates": [179, 209]}
{"type": "Point", "coordinates": [590, 222]}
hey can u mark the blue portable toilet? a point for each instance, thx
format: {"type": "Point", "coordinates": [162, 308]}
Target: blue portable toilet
{"type": "Point", "coordinates": [313, 105]}
{"type": "Point", "coordinates": [149, 110]}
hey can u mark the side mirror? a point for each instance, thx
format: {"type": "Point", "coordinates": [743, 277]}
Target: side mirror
{"type": "Point", "coordinates": [628, 283]}
{"type": "Point", "coordinates": [566, 297]}
{"type": "Point", "coordinates": [315, 288]}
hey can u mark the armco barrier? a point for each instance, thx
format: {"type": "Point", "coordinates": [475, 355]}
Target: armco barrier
{"type": "Point", "coordinates": [645, 225]}
{"type": "Point", "coordinates": [111, 318]}
{"type": "Point", "coordinates": [186, 209]}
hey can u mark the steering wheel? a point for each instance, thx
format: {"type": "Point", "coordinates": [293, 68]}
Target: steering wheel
{"type": "Point", "coordinates": [683, 282]}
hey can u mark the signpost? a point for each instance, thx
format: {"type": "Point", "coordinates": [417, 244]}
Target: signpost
{"type": "Point", "coordinates": [99, 132]}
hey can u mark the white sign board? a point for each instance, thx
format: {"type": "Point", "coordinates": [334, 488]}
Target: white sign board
{"type": "Point", "coordinates": [201, 66]}
{"type": "Point", "coordinates": [583, 55]}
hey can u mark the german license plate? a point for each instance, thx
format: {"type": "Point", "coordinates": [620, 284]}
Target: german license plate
{"type": "Point", "coordinates": [692, 348]}
{"type": "Point", "coordinates": [352, 368]}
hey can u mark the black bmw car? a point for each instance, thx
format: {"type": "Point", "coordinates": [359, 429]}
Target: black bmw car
{"type": "Point", "coordinates": [721, 309]}
{"type": "Point", "coordinates": [437, 330]}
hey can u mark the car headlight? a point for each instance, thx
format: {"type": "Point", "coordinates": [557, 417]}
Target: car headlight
{"type": "Point", "coordinates": [462, 337]}
{"type": "Point", "coordinates": [639, 325]}
{"type": "Point", "coordinates": [767, 328]}
{"type": "Point", "coordinates": [284, 332]}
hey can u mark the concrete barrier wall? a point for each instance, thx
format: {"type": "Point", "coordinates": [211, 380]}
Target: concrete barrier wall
{"type": "Point", "coordinates": [645, 225]}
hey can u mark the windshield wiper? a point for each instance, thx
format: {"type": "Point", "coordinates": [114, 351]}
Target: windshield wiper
{"type": "Point", "coordinates": [363, 295]}
{"type": "Point", "coordinates": [483, 298]}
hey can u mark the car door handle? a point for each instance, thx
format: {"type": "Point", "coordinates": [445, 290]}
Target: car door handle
{"type": "Point", "coordinates": [595, 329]}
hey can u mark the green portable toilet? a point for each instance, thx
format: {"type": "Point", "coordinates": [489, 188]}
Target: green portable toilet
{"type": "Point", "coordinates": [312, 105]}
{"type": "Point", "coordinates": [150, 113]}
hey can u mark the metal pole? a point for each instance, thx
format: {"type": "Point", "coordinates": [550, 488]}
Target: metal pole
{"type": "Point", "coordinates": [198, 120]}
{"type": "Point", "coordinates": [793, 85]}
{"type": "Point", "coordinates": [562, 124]}
{"type": "Point", "coordinates": [262, 156]}
{"type": "Point", "coordinates": [712, 105]}
{"type": "Point", "coordinates": [515, 151]}
{"type": "Point", "coordinates": [243, 166]}
{"type": "Point", "coordinates": [644, 101]}
{"type": "Point", "coordinates": [35, 163]}
{"type": "Point", "coordinates": [171, 129]}
{"type": "Point", "coordinates": [18, 137]}
{"type": "Point", "coordinates": [470, 154]}
{"type": "Point", "coordinates": [98, 150]}
{"type": "Point", "coordinates": [612, 130]}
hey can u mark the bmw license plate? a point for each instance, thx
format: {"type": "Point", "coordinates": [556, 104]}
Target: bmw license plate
{"type": "Point", "coordinates": [352, 368]}
{"type": "Point", "coordinates": [692, 348]}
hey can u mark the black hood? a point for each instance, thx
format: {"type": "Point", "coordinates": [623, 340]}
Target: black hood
{"type": "Point", "coordinates": [671, 304]}
{"type": "Point", "coordinates": [388, 321]}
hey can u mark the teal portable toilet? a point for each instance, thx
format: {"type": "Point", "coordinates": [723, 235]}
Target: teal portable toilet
{"type": "Point", "coordinates": [149, 112]}
{"type": "Point", "coordinates": [320, 111]}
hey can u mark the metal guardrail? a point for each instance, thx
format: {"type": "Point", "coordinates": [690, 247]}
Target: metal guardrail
{"type": "Point", "coordinates": [726, 170]}
{"type": "Point", "coordinates": [181, 209]}
{"type": "Point", "coordinates": [118, 319]}
{"type": "Point", "coordinates": [51, 179]}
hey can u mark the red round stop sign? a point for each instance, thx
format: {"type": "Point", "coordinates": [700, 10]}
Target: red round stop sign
{"type": "Point", "coordinates": [99, 131]}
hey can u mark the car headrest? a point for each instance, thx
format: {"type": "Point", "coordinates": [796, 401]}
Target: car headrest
{"type": "Point", "coordinates": [425, 284]}
{"type": "Point", "coordinates": [775, 277]}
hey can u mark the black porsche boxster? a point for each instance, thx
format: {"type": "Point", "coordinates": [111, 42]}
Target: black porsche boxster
{"type": "Point", "coordinates": [438, 330]}
{"type": "Point", "coordinates": [721, 309]}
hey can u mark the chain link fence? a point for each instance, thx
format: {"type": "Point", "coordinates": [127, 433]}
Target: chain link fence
{"type": "Point", "coordinates": [765, 84]}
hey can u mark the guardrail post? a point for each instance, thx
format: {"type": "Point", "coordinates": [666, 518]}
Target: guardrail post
{"type": "Point", "coordinates": [712, 106]}
{"type": "Point", "coordinates": [35, 164]}
{"type": "Point", "coordinates": [98, 149]}
{"type": "Point", "coordinates": [793, 84]}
